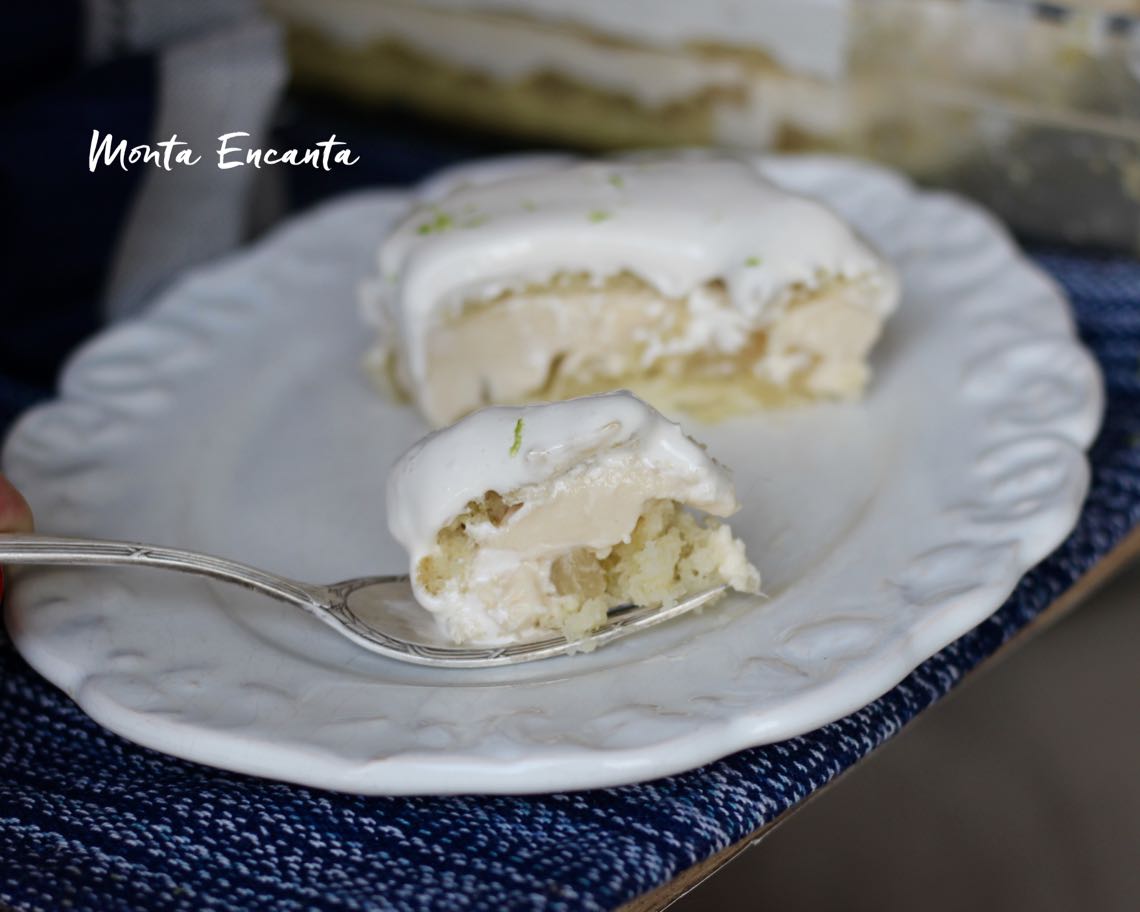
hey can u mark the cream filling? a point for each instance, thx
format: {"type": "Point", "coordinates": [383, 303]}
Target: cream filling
{"type": "Point", "coordinates": [509, 587]}
{"type": "Point", "coordinates": [595, 513]}
{"type": "Point", "coordinates": [506, 351]}
{"type": "Point", "coordinates": [774, 102]}
{"type": "Point", "coordinates": [520, 346]}
{"type": "Point", "coordinates": [832, 335]}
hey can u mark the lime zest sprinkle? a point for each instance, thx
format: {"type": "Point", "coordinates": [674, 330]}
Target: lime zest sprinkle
{"type": "Point", "coordinates": [617, 180]}
{"type": "Point", "coordinates": [600, 215]}
{"type": "Point", "coordinates": [518, 437]}
{"type": "Point", "coordinates": [441, 222]}
{"type": "Point", "coordinates": [529, 205]}
{"type": "Point", "coordinates": [753, 261]}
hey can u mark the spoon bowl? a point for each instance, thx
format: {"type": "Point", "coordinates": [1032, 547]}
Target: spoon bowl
{"type": "Point", "coordinates": [378, 613]}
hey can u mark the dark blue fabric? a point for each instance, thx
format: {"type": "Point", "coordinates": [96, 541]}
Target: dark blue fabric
{"type": "Point", "coordinates": [92, 822]}
{"type": "Point", "coordinates": [61, 221]}
{"type": "Point", "coordinates": [43, 43]}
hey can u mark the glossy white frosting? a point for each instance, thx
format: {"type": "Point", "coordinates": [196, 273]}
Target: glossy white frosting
{"type": "Point", "coordinates": [677, 222]}
{"type": "Point", "coordinates": [438, 476]}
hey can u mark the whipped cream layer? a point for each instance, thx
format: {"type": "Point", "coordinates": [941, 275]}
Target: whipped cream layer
{"type": "Point", "coordinates": [578, 474]}
{"type": "Point", "coordinates": [676, 222]}
{"type": "Point", "coordinates": [438, 476]}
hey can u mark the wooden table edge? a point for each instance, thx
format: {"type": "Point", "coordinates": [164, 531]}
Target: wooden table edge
{"type": "Point", "coordinates": [1125, 552]}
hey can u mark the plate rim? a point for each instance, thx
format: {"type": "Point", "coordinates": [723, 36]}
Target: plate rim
{"type": "Point", "coordinates": [412, 773]}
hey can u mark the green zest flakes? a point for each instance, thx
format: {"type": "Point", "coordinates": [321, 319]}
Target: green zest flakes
{"type": "Point", "coordinates": [753, 261]}
{"type": "Point", "coordinates": [518, 437]}
{"type": "Point", "coordinates": [441, 222]}
{"type": "Point", "coordinates": [617, 180]}
{"type": "Point", "coordinates": [599, 215]}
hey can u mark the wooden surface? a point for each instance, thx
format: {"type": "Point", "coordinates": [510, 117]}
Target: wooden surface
{"type": "Point", "coordinates": [1120, 557]}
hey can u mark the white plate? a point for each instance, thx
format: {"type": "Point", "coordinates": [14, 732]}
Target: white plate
{"type": "Point", "coordinates": [235, 419]}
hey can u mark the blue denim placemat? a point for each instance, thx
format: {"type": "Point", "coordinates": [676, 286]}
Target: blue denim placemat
{"type": "Point", "coordinates": [89, 821]}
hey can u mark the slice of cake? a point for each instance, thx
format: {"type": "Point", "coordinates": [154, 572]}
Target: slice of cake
{"type": "Point", "coordinates": [525, 521]}
{"type": "Point", "coordinates": [598, 74]}
{"type": "Point", "coordinates": [692, 280]}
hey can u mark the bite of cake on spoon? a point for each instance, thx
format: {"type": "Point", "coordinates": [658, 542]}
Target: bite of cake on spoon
{"type": "Point", "coordinates": [524, 521]}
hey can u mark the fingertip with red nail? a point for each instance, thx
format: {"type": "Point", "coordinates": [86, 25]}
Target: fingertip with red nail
{"type": "Point", "coordinates": [15, 515]}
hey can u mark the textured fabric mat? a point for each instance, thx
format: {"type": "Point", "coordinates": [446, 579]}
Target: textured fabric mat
{"type": "Point", "coordinates": [89, 821]}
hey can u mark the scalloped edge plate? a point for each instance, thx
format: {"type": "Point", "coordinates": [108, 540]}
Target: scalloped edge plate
{"type": "Point", "coordinates": [234, 418]}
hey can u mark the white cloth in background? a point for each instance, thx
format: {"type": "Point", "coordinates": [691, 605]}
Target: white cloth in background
{"type": "Point", "coordinates": [221, 68]}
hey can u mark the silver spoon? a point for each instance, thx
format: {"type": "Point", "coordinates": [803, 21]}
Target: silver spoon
{"type": "Point", "coordinates": [377, 612]}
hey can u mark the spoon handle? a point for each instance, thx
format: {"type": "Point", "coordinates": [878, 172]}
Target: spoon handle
{"type": "Point", "coordinates": [50, 549]}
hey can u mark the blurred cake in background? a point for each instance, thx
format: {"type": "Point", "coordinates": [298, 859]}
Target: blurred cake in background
{"type": "Point", "coordinates": [1033, 108]}
{"type": "Point", "coordinates": [595, 73]}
